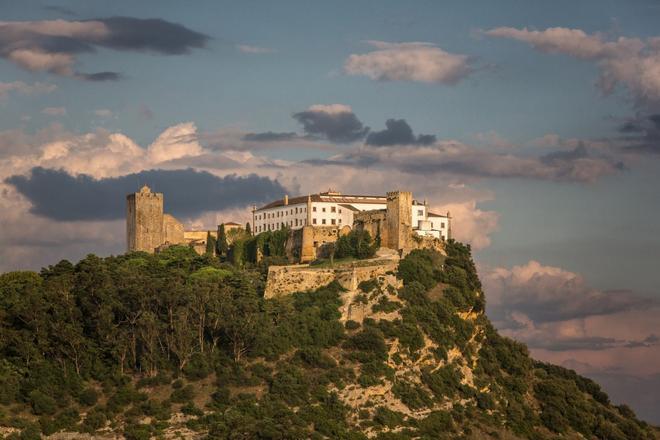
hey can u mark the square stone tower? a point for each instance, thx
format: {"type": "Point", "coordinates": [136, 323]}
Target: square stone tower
{"type": "Point", "coordinates": [399, 219]}
{"type": "Point", "coordinates": [144, 220]}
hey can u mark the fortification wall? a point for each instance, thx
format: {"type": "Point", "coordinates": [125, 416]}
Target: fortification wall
{"type": "Point", "coordinates": [374, 222]}
{"type": "Point", "coordinates": [314, 240]}
{"type": "Point", "coordinates": [172, 230]}
{"type": "Point", "coordinates": [285, 280]}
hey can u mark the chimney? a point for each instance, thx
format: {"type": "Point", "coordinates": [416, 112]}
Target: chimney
{"type": "Point", "coordinates": [286, 199]}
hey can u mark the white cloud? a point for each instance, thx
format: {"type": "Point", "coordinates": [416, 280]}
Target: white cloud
{"type": "Point", "coordinates": [246, 48]}
{"type": "Point", "coordinates": [633, 62]}
{"type": "Point", "coordinates": [420, 62]}
{"type": "Point", "coordinates": [24, 88]}
{"type": "Point", "coordinates": [174, 143]}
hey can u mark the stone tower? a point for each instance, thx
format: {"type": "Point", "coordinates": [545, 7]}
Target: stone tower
{"type": "Point", "coordinates": [399, 219]}
{"type": "Point", "coordinates": [144, 220]}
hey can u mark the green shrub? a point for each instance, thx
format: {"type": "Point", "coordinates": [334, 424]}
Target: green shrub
{"type": "Point", "coordinates": [94, 421]}
{"type": "Point", "coordinates": [368, 285]}
{"type": "Point", "coordinates": [88, 397]}
{"type": "Point", "coordinates": [182, 395]}
{"type": "Point", "coordinates": [351, 325]}
{"type": "Point", "coordinates": [41, 403]}
{"type": "Point", "coordinates": [357, 244]}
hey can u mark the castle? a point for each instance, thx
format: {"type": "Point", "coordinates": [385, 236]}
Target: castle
{"type": "Point", "coordinates": [315, 222]}
{"type": "Point", "coordinates": [149, 228]}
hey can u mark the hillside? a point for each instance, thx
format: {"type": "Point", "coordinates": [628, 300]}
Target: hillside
{"type": "Point", "coordinates": [177, 345]}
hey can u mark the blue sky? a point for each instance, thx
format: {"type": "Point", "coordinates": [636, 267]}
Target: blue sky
{"type": "Point", "coordinates": [545, 117]}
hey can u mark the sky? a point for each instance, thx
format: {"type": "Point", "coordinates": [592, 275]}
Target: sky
{"type": "Point", "coordinates": [536, 124]}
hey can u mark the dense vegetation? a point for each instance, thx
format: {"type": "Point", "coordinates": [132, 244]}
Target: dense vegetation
{"type": "Point", "coordinates": [129, 340]}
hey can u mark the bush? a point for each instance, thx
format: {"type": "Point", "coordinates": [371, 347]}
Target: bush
{"type": "Point", "coordinates": [182, 395]}
{"type": "Point", "coordinates": [351, 325]}
{"type": "Point", "coordinates": [41, 403]}
{"type": "Point", "coordinates": [94, 421]}
{"type": "Point", "coordinates": [88, 397]}
{"type": "Point", "coordinates": [357, 244]}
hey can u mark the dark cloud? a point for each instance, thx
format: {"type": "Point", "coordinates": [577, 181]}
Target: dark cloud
{"type": "Point", "coordinates": [57, 195]}
{"type": "Point", "coordinates": [151, 34]}
{"type": "Point", "coordinates": [642, 133]}
{"type": "Point", "coordinates": [270, 136]}
{"type": "Point", "coordinates": [398, 132]}
{"type": "Point", "coordinates": [336, 126]}
{"type": "Point", "coordinates": [51, 46]}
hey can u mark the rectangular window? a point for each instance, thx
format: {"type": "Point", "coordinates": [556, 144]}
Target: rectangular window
{"type": "Point", "coordinates": [420, 212]}
{"type": "Point", "coordinates": [323, 221]}
{"type": "Point", "coordinates": [323, 209]}
{"type": "Point", "coordinates": [442, 225]}
{"type": "Point", "coordinates": [339, 221]}
{"type": "Point", "coordinates": [314, 221]}
{"type": "Point", "coordinates": [296, 210]}
{"type": "Point", "coordinates": [333, 221]}
{"type": "Point", "coordinates": [314, 209]}
{"type": "Point", "coordinates": [340, 210]}
{"type": "Point", "coordinates": [333, 209]}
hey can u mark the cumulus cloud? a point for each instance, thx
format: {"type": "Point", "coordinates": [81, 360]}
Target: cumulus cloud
{"type": "Point", "coordinates": [633, 62]}
{"type": "Point", "coordinates": [398, 132]}
{"type": "Point", "coordinates": [334, 122]}
{"type": "Point", "coordinates": [52, 45]}
{"type": "Point", "coordinates": [174, 143]}
{"type": "Point", "coordinates": [23, 88]}
{"type": "Point", "coordinates": [60, 196]}
{"type": "Point", "coordinates": [420, 62]}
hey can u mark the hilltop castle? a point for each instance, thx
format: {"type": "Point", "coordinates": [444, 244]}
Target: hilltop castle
{"type": "Point", "coordinates": [315, 222]}
{"type": "Point", "coordinates": [149, 228]}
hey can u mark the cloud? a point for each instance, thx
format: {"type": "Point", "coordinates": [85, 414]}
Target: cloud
{"type": "Point", "coordinates": [461, 159]}
{"type": "Point", "coordinates": [174, 143]}
{"type": "Point", "coordinates": [633, 62]}
{"type": "Point", "coordinates": [52, 45]}
{"type": "Point", "coordinates": [334, 122]}
{"type": "Point", "coordinates": [54, 111]}
{"type": "Point", "coordinates": [257, 50]}
{"type": "Point", "coordinates": [642, 133]}
{"type": "Point", "coordinates": [270, 136]}
{"type": "Point", "coordinates": [420, 62]}
{"type": "Point", "coordinates": [548, 294]}
{"type": "Point", "coordinates": [25, 89]}
{"type": "Point", "coordinates": [57, 195]}
{"type": "Point", "coordinates": [398, 132]}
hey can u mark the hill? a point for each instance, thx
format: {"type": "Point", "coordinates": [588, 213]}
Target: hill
{"type": "Point", "coordinates": [177, 345]}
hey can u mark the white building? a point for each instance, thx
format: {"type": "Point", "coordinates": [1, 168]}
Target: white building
{"type": "Point", "coordinates": [334, 209]}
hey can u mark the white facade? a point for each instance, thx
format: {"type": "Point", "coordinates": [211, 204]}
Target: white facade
{"type": "Point", "coordinates": [335, 209]}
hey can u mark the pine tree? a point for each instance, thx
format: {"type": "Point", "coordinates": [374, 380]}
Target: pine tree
{"type": "Point", "coordinates": [221, 245]}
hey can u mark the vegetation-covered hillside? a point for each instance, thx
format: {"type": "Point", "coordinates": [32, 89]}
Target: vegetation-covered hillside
{"type": "Point", "coordinates": [177, 344]}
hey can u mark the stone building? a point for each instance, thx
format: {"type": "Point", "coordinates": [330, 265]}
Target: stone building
{"type": "Point", "coordinates": [317, 220]}
{"type": "Point", "coordinates": [149, 228]}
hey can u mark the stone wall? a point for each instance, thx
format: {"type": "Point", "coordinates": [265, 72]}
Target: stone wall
{"type": "Point", "coordinates": [172, 230]}
{"type": "Point", "coordinates": [285, 280]}
{"type": "Point", "coordinates": [374, 222]}
{"type": "Point", "coordinates": [314, 240]}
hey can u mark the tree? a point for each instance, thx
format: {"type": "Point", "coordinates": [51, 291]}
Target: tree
{"type": "Point", "coordinates": [210, 244]}
{"type": "Point", "coordinates": [222, 246]}
{"type": "Point", "coordinates": [248, 228]}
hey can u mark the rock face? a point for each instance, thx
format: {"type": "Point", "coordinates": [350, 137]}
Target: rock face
{"type": "Point", "coordinates": [285, 280]}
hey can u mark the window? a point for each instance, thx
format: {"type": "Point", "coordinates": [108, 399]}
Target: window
{"type": "Point", "coordinates": [314, 221]}
{"type": "Point", "coordinates": [340, 210]}
{"type": "Point", "coordinates": [296, 222]}
{"type": "Point", "coordinates": [333, 221]}
{"type": "Point", "coordinates": [333, 209]}
{"type": "Point", "coordinates": [296, 210]}
{"type": "Point", "coordinates": [323, 209]}
{"type": "Point", "coordinates": [314, 208]}
{"type": "Point", "coordinates": [442, 225]}
{"type": "Point", "coordinates": [339, 221]}
{"type": "Point", "coordinates": [420, 212]}
{"type": "Point", "coordinates": [323, 221]}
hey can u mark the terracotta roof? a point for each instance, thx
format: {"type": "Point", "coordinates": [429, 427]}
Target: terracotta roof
{"type": "Point", "coordinates": [338, 198]}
